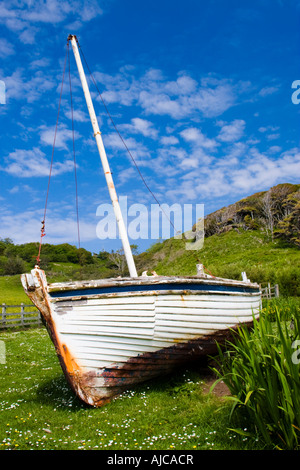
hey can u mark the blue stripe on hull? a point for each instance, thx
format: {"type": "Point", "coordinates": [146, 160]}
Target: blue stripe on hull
{"type": "Point", "coordinates": [156, 287]}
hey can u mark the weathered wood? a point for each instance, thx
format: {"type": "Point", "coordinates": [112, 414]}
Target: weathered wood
{"type": "Point", "coordinates": [112, 333]}
{"type": "Point", "coordinates": [141, 281]}
{"type": "Point", "coordinates": [19, 318]}
{"type": "Point", "coordinates": [3, 314]}
{"type": "Point", "coordinates": [269, 291]}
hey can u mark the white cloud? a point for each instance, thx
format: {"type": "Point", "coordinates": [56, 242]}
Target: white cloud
{"type": "Point", "coordinates": [28, 35]}
{"type": "Point", "coordinates": [78, 115]}
{"type": "Point", "coordinates": [141, 126]}
{"type": "Point", "coordinates": [27, 17]}
{"type": "Point", "coordinates": [33, 163]}
{"type": "Point", "coordinates": [40, 63]}
{"type": "Point", "coordinates": [269, 90]}
{"type": "Point", "coordinates": [20, 188]}
{"type": "Point", "coordinates": [140, 153]}
{"type": "Point", "coordinates": [241, 170]}
{"type": "Point", "coordinates": [273, 136]}
{"type": "Point", "coordinates": [184, 85]}
{"type": "Point", "coordinates": [215, 101]}
{"type": "Point", "coordinates": [274, 149]}
{"type": "Point", "coordinates": [169, 140]}
{"type": "Point", "coordinates": [257, 171]}
{"type": "Point", "coordinates": [194, 135]}
{"type": "Point", "coordinates": [126, 175]}
{"type": "Point", "coordinates": [263, 129]}
{"type": "Point", "coordinates": [6, 48]}
{"type": "Point", "coordinates": [30, 88]}
{"type": "Point", "coordinates": [63, 136]}
{"type": "Point", "coordinates": [47, 11]}
{"type": "Point", "coordinates": [24, 227]}
{"type": "Point", "coordinates": [233, 131]}
{"type": "Point", "coordinates": [180, 98]}
{"type": "Point", "coordinates": [160, 104]}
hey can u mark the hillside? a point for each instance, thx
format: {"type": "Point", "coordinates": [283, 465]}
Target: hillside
{"type": "Point", "coordinates": [227, 255]}
{"type": "Point", "coordinates": [275, 212]}
{"type": "Point", "coordinates": [259, 234]}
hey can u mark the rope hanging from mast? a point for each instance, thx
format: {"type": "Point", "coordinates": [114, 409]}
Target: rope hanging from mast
{"type": "Point", "coordinates": [67, 55]}
{"type": "Point", "coordinates": [73, 139]}
{"type": "Point", "coordinates": [122, 140]}
{"type": "Point", "coordinates": [43, 232]}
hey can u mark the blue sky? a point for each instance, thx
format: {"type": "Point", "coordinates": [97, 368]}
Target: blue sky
{"type": "Point", "coordinates": [200, 91]}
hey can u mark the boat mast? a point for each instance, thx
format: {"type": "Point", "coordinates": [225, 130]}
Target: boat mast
{"type": "Point", "coordinates": [105, 164]}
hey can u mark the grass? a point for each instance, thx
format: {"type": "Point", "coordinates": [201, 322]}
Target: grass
{"type": "Point", "coordinates": [228, 255]}
{"type": "Point", "coordinates": [39, 411]}
{"type": "Point", "coordinates": [11, 291]}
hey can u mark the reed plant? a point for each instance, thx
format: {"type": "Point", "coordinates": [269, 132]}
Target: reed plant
{"type": "Point", "coordinates": [261, 368]}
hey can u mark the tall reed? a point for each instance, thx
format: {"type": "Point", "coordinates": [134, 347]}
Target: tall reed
{"type": "Point", "coordinates": [261, 368]}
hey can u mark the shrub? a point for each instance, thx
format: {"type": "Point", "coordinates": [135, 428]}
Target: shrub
{"type": "Point", "coordinates": [262, 371]}
{"type": "Point", "coordinates": [14, 265]}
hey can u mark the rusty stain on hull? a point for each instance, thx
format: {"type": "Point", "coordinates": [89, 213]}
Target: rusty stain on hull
{"type": "Point", "coordinates": [71, 370]}
{"type": "Point", "coordinates": [161, 362]}
{"type": "Point", "coordinates": [151, 365]}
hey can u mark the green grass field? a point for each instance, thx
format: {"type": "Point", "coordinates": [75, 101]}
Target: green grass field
{"type": "Point", "coordinates": [39, 411]}
{"type": "Point", "coordinates": [176, 412]}
{"type": "Point", "coordinates": [11, 291]}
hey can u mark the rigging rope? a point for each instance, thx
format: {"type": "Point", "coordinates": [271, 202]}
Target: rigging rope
{"type": "Point", "coordinates": [43, 233]}
{"type": "Point", "coordinates": [74, 158]}
{"type": "Point", "coordinates": [67, 55]}
{"type": "Point", "coordinates": [120, 136]}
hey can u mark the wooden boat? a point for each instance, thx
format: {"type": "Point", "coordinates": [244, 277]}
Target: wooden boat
{"type": "Point", "coordinates": [114, 333]}
{"type": "Point", "coordinates": [111, 334]}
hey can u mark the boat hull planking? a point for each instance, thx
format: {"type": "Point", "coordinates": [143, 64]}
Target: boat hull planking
{"type": "Point", "coordinates": [110, 335]}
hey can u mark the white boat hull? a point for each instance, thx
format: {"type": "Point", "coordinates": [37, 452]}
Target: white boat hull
{"type": "Point", "coordinates": [111, 334]}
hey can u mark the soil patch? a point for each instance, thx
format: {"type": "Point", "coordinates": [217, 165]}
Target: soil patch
{"type": "Point", "coordinates": [220, 390]}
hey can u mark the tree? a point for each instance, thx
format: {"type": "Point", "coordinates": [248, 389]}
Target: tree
{"type": "Point", "coordinates": [118, 259]}
{"type": "Point", "coordinates": [267, 209]}
{"type": "Point", "coordinates": [289, 227]}
{"type": "Point", "coordinates": [85, 257]}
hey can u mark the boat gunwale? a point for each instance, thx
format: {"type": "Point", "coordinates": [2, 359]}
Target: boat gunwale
{"type": "Point", "coordinates": [144, 281]}
{"type": "Point", "coordinates": [149, 293]}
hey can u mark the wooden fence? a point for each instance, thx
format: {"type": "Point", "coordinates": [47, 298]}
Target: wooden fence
{"type": "Point", "coordinates": [269, 291]}
{"type": "Point", "coordinates": [19, 315]}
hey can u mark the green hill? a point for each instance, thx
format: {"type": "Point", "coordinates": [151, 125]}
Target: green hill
{"type": "Point", "coordinates": [227, 255]}
{"type": "Point", "coordinates": [259, 234]}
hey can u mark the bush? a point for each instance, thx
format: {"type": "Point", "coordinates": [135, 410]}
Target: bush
{"type": "Point", "coordinates": [14, 265]}
{"type": "Point", "coordinates": [262, 371]}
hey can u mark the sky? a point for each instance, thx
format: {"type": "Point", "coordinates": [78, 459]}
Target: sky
{"type": "Point", "coordinates": [200, 91]}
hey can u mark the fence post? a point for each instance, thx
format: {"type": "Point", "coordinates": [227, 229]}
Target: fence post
{"type": "Point", "coordinates": [3, 314]}
{"type": "Point", "coordinates": [276, 290]}
{"type": "Point", "coordinates": [22, 314]}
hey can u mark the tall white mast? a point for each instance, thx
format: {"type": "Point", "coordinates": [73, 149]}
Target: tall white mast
{"type": "Point", "coordinates": [105, 164]}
